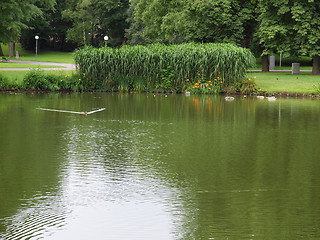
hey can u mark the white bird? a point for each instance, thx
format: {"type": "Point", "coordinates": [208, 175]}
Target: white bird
{"type": "Point", "coordinates": [260, 97]}
{"type": "Point", "coordinates": [187, 93]}
{"type": "Point", "coordinates": [271, 99]}
{"type": "Point", "coordinates": [229, 99]}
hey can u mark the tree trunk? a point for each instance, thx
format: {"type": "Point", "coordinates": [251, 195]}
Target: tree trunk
{"type": "Point", "coordinates": [315, 65]}
{"type": "Point", "coordinates": [12, 47]}
{"type": "Point", "coordinates": [124, 41]}
{"type": "Point", "coordinates": [265, 63]}
{"type": "Point", "coordinates": [1, 53]}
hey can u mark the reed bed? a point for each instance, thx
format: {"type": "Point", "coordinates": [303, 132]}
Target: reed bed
{"type": "Point", "coordinates": [102, 68]}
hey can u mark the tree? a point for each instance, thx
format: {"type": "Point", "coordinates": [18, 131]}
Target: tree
{"type": "Point", "coordinates": [15, 15]}
{"type": "Point", "coordinates": [93, 19]}
{"type": "Point", "coordinates": [194, 20]}
{"type": "Point", "coordinates": [135, 32]}
{"type": "Point", "coordinates": [111, 19]}
{"type": "Point", "coordinates": [289, 26]}
{"type": "Point", "coordinates": [275, 28]}
{"type": "Point", "coordinates": [51, 28]}
{"type": "Point", "coordinates": [306, 16]}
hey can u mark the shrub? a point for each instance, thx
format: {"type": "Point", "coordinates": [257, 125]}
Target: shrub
{"type": "Point", "coordinates": [4, 81]}
{"type": "Point", "coordinates": [247, 86]}
{"type": "Point", "coordinates": [53, 81]}
{"type": "Point", "coordinates": [35, 79]}
{"type": "Point", "coordinates": [74, 82]}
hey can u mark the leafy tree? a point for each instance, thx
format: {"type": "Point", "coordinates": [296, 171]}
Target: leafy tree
{"type": "Point", "coordinates": [275, 28]}
{"type": "Point", "coordinates": [289, 26]}
{"type": "Point", "coordinates": [217, 20]}
{"type": "Point", "coordinates": [93, 19]}
{"type": "Point", "coordinates": [51, 28]}
{"type": "Point", "coordinates": [135, 32]}
{"type": "Point", "coordinates": [15, 15]}
{"type": "Point", "coordinates": [195, 20]}
{"type": "Point", "coordinates": [80, 13]}
{"type": "Point", "coordinates": [306, 16]}
{"type": "Point", "coordinates": [111, 19]}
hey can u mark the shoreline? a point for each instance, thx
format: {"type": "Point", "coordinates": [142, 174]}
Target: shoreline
{"type": "Point", "coordinates": [278, 95]}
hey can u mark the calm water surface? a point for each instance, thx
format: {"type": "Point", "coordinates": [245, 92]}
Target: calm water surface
{"type": "Point", "coordinates": [159, 167]}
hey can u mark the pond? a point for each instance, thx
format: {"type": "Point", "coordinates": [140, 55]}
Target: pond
{"type": "Point", "coordinates": [158, 167]}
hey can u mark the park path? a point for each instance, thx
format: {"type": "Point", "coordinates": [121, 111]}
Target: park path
{"type": "Point", "coordinates": [278, 70]}
{"type": "Point", "coordinates": [64, 66]}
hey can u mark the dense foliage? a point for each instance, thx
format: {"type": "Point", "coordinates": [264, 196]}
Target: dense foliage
{"type": "Point", "coordinates": [189, 20]}
{"type": "Point", "coordinates": [162, 66]}
{"type": "Point", "coordinates": [38, 80]}
{"type": "Point", "coordinates": [265, 26]}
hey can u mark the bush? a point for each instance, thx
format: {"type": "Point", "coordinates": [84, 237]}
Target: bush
{"type": "Point", "coordinates": [4, 81]}
{"type": "Point", "coordinates": [38, 80]}
{"type": "Point", "coordinates": [35, 79]}
{"type": "Point", "coordinates": [247, 86]}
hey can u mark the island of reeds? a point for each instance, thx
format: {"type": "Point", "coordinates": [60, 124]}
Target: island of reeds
{"type": "Point", "coordinates": [193, 67]}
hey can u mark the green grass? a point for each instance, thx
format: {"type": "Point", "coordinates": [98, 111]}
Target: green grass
{"type": "Point", "coordinates": [259, 67]}
{"type": "Point", "coordinates": [22, 65]}
{"type": "Point", "coordinates": [284, 82]}
{"type": "Point", "coordinates": [43, 56]}
{"type": "Point", "coordinates": [18, 76]}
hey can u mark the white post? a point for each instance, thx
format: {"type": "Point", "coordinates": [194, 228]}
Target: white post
{"type": "Point", "coordinates": [105, 40]}
{"type": "Point", "coordinates": [280, 58]}
{"type": "Point", "coordinates": [36, 37]}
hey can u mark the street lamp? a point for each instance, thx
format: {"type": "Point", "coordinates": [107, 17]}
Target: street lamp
{"type": "Point", "coordinates": [106, 39]}
{"type": "Point", "coordinates": [36, 37]}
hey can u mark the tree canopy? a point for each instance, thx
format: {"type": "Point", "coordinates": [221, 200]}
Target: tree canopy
{"type": "Point", "coordinates": [265, 26]}
{"type": "Point", "coordinates": [15, 16]}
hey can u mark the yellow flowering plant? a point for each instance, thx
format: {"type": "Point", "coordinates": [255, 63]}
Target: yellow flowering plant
{"type": "Point", "coordinates": [203, 85]}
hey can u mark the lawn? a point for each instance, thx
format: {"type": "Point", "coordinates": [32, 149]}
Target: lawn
{"type": "Point", "coordinates": [17, 76]}
{"type": "Point", "coordinates": [285, 82]}
{"type": "Point", "coordinates": [43, 55]}
{"type": "Point", "coordinates": [259, 67]}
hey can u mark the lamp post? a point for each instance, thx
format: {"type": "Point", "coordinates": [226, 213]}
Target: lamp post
{"type": "Point", "coordinates": [105, 40]}
{"type": "Point", "coordinates": [36, 37]}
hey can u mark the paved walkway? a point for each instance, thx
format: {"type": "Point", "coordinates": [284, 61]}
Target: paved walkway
{"type": "Point", "coordinates": [64, 66]}
{"type": "Point", "coordinates": [278, 70]}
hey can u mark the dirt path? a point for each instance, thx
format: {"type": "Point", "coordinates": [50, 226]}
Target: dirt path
{"type": "Point", "coordinates": [64, 66]}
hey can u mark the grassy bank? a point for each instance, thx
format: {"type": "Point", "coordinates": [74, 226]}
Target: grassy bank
{"type": "Point", "coordinates": [259, 67]}
{"type": "Point", "coordinates": [37, 79]}
{"type": "Point", "coordinates": [43, 55]}
{"type": "Point", "coordinates": [285, 82]}
{"type": "Point", "coordinates": [17, 76]}
{"type": "Point", "coordinates": [272, 82]}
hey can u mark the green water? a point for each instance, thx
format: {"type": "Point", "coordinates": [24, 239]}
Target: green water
{"type": "Point", "coordinates": [159, 167]}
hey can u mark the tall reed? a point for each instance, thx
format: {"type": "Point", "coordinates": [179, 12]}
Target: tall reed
{"type": "Point", "coordinates": [101, 67]}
